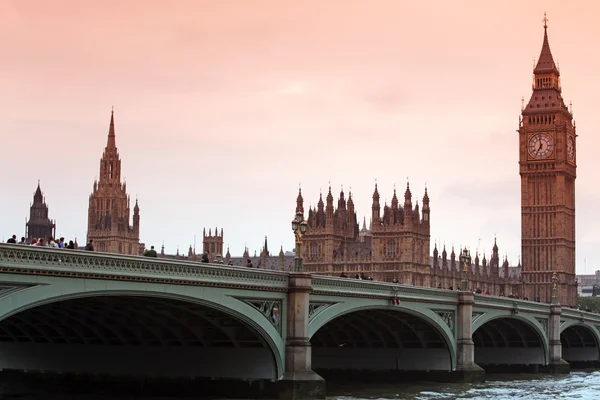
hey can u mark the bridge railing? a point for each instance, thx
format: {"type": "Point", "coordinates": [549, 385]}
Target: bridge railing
{"type": "Point", "coordinates": [500, 302]}
{"type": "Point", "coordinates": [581, 314]}
{"type": "Point", "coordinates": [23, 259]}
{"type": "Point", "coordinates": [328, 285]}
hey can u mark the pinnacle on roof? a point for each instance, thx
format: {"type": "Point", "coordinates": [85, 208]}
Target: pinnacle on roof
{"type": "Point", "coordinates": [376, 193]}
{"type": "Point", "coordinates": [299, 202]}
{"type": "Point", "coordinates": [545, 62]}
{"type": "Point", "coordinates": [407, 194]}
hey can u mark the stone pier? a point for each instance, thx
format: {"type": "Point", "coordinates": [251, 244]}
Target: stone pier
{"type": "Point", "coordinates": [299, 381]}
{"type": "Point", "coordinates": [556, 364]}
{"type": "Point", "coordinates": [466, 368]}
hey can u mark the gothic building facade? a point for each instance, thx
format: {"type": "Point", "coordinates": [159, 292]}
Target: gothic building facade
{"type": "Point", "coordinates": [109, 211]}
{"type": "Point", "coordinates": [547, 165]}
{"type": "Point", "coordinates": [39, 225]}
{"type": "Point", "coordinates": [395, 248]}
{"type": "Point", "coordinates": [483, 275]}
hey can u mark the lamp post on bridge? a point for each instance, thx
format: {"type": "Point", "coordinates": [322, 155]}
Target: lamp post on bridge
{"type": "Point", "coordinates": [299, 226]}
{"type": "Point", "coordinates": [465, 260]}
{"type": "Point", "coordinates": [554, 284]}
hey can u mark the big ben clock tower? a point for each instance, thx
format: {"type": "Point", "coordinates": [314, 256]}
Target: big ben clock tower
{"type": "Point", "coordinates": [547, 165]}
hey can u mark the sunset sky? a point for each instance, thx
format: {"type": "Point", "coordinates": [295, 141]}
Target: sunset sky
{"type": "Point", "coordinates": [222, 107]}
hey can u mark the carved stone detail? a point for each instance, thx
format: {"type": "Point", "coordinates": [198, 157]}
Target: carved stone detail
{"type": "Point", "coordinates": [7, 290]}
{"type": "Point", "coordinates": [544, 323]}
{"type": "Point", "coordinates": [562, 322]}
{"type": "Point", "coordinates": [317, 308]}
{"type": "Point", "coordinates": [476, 316]}
{"type": "Point", "coordinates": [448, 317]}
{"type": "Point", "coordinates": [271, 309]}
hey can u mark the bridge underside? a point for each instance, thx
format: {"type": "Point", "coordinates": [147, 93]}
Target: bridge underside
{"type": "Point", "coordinates": [132, 335]}
{"type": "Point", "coordinates": [508, 341]}
{"type": "Point", "coordinates": [379, 340]}
{"type": "Point", "coordinates": [579, 346]}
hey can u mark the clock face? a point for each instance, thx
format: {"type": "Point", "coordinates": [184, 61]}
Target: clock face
{"type": "Point", "coordinates": [541, 145]}
{"type": "Point", "coordinates": [570, 149]}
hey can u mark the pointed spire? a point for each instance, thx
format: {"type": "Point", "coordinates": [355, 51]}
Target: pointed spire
{"type": "Point", "coordinates": [266, 249]}
{"type": "Point", "coordinates": [299, 202]}
{"type": "Point", "coordinates": [111, 143]}
{"type": "Point", "coordinates": [407, 193]}
{"type": "Point", "coordinates": [546, 62]}
{"type": "Point", "coordinates": [364, 223]}
{"type": "Point", "coordinates": [329, 197]}
{"type": "Point", "coordinates": [376, 194]}
{"type": "Point", "coordinates": [38, 197]}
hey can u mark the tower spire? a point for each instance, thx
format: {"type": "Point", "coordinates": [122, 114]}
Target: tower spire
{"type": "Point", "coordinates": [545, 62]}
{"type": "Point", "coordinates": [111, 143]}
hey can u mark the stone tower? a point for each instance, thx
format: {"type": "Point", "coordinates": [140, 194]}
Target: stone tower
{"type": "Point", "coordinates": [547, 165]}
{"type": "Point", "coordinates": [39, 225]}
{"type": "Point", "coordinates": [213, 244]}
{"type": "Point", "coordinates": [109, 212]}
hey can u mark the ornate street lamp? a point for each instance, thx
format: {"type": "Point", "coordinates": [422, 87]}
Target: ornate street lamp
{"type": "Point", "coordinates": [299, 227]}
{"type": "Point", "coordinates": [554, 284]}
{"type": "Point", "coordinates": [465, 260]}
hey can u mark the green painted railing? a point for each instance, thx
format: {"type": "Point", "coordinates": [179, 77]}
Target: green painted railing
{"type": "Point", "coordinates": [580, 314]}
{"type": "Point", "coordinates": [86, 264]}
{"type": "Point", "coordinates": [327, 285]}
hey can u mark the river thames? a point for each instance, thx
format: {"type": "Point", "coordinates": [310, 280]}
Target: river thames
{"type": "Point", "coordinates": [577, 385]}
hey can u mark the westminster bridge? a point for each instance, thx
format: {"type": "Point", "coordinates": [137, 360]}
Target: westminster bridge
{"type": "Point", "coordinates": [64, 311]}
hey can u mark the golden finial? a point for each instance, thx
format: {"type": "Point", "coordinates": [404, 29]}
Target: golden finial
{"type": "Point", "coordinates": [545, 21]}
{"type": "Point", "coordinates": [522, 103]}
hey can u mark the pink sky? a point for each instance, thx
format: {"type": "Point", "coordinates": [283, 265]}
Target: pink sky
{"type": "Point", "coordinates": [222, 107]}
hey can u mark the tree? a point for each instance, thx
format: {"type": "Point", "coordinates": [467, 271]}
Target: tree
{"type": "Point", "coordinates": [592, 302]}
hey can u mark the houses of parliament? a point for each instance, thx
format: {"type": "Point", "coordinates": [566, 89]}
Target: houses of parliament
{"type": "Point", "coordinates": [396, 246]}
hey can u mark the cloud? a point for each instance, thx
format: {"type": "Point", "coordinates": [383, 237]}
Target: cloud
{"type": "Point", "coordinates": [388, 99]}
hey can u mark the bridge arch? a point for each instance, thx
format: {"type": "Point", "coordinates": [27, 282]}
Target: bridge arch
{"type": "Point", "coordinates": [580, 343]}
{"type": "Point", "coordinates": [379, 316]}
{"type": "Point", "coordinates": [503, 337]}
{"type": "Point", "coordinates": [220, 303]}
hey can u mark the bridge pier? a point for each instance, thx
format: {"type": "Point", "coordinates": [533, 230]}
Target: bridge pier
{"type": "Point", "coordinates": [299, 381]}
{"type": "Point", "coordinates": [466, 368]}
{"type": "Point", "coordinates": [556, 364]}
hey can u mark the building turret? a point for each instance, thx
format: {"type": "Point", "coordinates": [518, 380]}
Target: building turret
{"type": "Point", "coordinates": [300, 202]}
{"type": "Point", "coordinates": [426, 210]}
{"type": "Point", "coordinates": [281, 259]}
{"type": "Point", "coordinates": [407, 206]}
{"type": "Point", "coordinates": [395, 217]}
{"type": "Point", "coordinates": [329, 212]}
{"type": "Point", "coordinates": [444, 259]}
{"type": "Point", "coordinates": [136, 218]}
{"type": "Point", "coordinates": [375, 211]}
